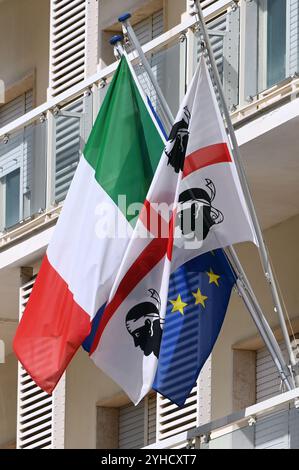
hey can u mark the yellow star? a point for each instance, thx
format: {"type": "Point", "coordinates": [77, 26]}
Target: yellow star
{"type": "Point", "coordinates": [213, 277]}
{"type": "Point", "coordinates": [199, 298]}
{"type": "Point", "coordinates": [178, 305]}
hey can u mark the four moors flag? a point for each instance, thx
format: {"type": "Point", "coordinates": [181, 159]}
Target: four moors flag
{"type": "Point", "coordinates": [92, 233]}
{"type": "Point", "coordinates": [194, 205]}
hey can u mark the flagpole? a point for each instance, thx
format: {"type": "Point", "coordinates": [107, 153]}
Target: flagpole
{"type": "Point", "coordinates": [124, 19]}
{"type": "Point", "coordinates": [250, 300]}
{"type": "Point", "coordinates": [237, 157]}
{"type": "Point", "coordinates": [275, 354]}
{"type": "Point", "coordinates": [252, 304]}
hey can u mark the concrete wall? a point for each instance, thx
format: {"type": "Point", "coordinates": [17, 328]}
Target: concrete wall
{"type": "Point", "coordinates": [282, 241]}
{"type": "Point", "coordinates": [8, 400]}
{"type": "Point", "coordinates": [86, 386]}
{"type": "Point", "coordinates": [24, 43]}
{"type": "Point", "coordinates": [110, 10]}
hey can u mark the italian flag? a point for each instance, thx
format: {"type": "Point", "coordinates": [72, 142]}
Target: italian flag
{"type": "Point", "coordinates": [92, 233]}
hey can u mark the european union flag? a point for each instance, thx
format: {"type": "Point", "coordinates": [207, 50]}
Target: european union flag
{"type": "Point", "coordinates": [199, 292]}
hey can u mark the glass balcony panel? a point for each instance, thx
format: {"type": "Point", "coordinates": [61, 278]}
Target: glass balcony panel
{"type": "Point", "coordinates": [22, 174]}
{"type": "Point", "coordinates": [169, 68]}
{"type": "Point", "coordinates": [276, 430]}
{"type": "Point", "coordinates": [12, 198]}
{"type": "Point", "coordinates": [224, 34]}
{"type": "Point", "coordinates": [271, 34]}
{"type": "Point", "coordinates": [68, 146]}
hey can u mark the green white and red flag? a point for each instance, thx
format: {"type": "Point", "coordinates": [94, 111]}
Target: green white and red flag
{"type": "Point", "coordinates": [92, 233]}
{"type": "Point", "coordinates": [195, 204]}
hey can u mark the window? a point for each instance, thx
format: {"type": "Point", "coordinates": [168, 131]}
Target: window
{"type": "Point", "coordinates": [40, 417]}
{"type": "Point", "coordinates": [137, 424]}
{"type": "Point", "coordinates": [155, 418]}
{"type": "Point", "coordinates": [16, 163]}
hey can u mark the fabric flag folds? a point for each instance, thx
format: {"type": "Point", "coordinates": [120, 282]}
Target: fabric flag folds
{"type": "Point", "coordinates": [194, 205]}
{"type": "Point", "coordinates": [198, 296]}
{"type": "Point", "coordinates": [92, 232]}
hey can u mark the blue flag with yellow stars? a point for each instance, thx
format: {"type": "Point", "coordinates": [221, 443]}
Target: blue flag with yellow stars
{"type": "Point", "coordinates": [199, 292]}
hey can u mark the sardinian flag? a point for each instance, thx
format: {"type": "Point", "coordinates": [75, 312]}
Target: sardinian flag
{"type": "Point", "coordinates": [194, 205]}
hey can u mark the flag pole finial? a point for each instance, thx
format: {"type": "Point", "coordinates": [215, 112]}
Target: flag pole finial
{"type": "Point", "coordinates": [116, 39]}
{"type": "Point", "coordinates": [124, 17]}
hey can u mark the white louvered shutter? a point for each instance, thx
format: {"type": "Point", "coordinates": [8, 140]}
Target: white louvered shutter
{"type": "Point", "coordinates": [225, 46]}
{"type": "Point", "coordinates": [145, 31]}
{"type": "Point", "coordinates": [172, 420]}
{"type": "Point", "coordinates": [273, 431]}
{"type": "Point", "coordinates": [17, 153]}
{"type": "Point", "coordinates": [40, 417]}
{"type": "Point", "coordinates": [137, 424]}
{"type": "Point", "coordinates": [292, 42]}
{"type": "Point", "coordinates": [73, 43]}
{"type": "Point", "coordinates": [150, 28]}
{"type": "Point", "coordinates": [268, 383]}
{"type": "Point", "coordinates": [68, 144]}
{"type": "Point", "coordinates": [151, 421]}
{"type": "Point", "coordinates": [251, 55]}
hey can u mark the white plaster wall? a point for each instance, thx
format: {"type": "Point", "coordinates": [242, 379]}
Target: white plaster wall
{"type": "Point", "coordinates": [85, 386]}
{"type": "Point", "coordinates": [24, 42]}
{"type": "Point", "coordinates": [8, 400]}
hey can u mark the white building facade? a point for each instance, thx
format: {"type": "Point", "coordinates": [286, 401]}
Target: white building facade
{"type": "Point", "coordinates": [56, 64]}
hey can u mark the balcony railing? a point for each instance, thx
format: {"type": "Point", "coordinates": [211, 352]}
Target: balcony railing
{"type": "Point", "coordinates": [39, 151]}
{"type": "Point", "coordinates": [273, 423]}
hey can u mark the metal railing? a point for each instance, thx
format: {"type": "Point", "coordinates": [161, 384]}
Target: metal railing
{"type": "Point", "coordinates": [48, 140]}
{"type": "Point", "coordinates": [273, 423]}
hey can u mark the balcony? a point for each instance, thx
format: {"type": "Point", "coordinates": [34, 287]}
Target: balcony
{"type": "Point", "coordinates": [270, 424]}
{"type": "Point", "coordinates": [39, 151]}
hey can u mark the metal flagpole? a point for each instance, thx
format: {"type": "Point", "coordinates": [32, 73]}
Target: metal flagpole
{"type": "Point", "coordinates": [252, 304]}
{"type": "Point", "coordinates": [237, 157]}
{"type": "Point", "coordinates": [250, 301]}
{"type": "Point", "coordinates": [124, 19]}
{"type": "Point", "coordinates": [275, 354]}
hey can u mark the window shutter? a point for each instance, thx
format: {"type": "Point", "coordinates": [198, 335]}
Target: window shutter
{"type": "Point", "coordinates": [18, 152]}
{"type": "Point", "coordinates": [292, 37]}
{"type": "Point", "coordinates": [251, 62]}
{"type": "Point", "coordinates": [73, 42]}
{"type": "Point", "coordinates": [279, 430]}
{"type": "Point", "coordinates": [145, 31]}
{"type": "Point", "coordinates": [150, 28]}
{"type": "Point", "coordinates": [204, 4]}
{"type": "Point", "coordinates": [137, 424]}
{"type": "Point", "coordinates": [68, 142]}
{"type": "Point", "coordinates": [172, 420]}
{"type": "Point", "coordinates": [220, 25]}
{"type": "Point", "coordinates": [40, 417]}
